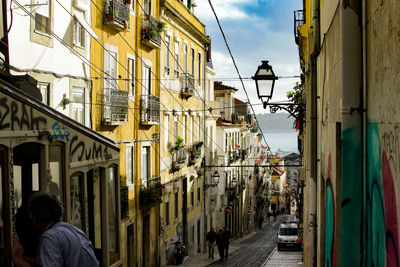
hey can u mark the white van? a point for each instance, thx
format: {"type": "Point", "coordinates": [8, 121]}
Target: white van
{"type": "Point", "coordinates": [288, 236]}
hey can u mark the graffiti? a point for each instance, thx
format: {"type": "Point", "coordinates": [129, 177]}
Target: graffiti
{"type": "Point", "coordinates": [391, 145]}
{"type": "Point", "coordinates": [329, 220]}
{"type": "Point", "coordinates": [95, 151]}
{"type": "Point", "coordinates": [351, 197]}
{"type": "Point", "coordinates": [61, 132]}
{"type": "Point", "coordinates": [17, 116]}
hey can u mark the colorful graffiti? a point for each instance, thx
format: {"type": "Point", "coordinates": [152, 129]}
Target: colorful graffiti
{"type": "Point", "coordinates": [351, 196]}
{"type": "Point", "coordinates": [329, 219]}
{"type": "Point", "coordinates": [382, 222]}
{"type": "Point", "coordinates": [373, 208]}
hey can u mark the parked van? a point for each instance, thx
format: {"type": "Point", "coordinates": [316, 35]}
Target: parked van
{"type": "Point", "coordinates": [288, 236]}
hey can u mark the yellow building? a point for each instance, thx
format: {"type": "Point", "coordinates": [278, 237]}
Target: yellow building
{"type": "Point", "coordinates": [126, 109]}
{"type": "Point", "coordinates": [183, 61]}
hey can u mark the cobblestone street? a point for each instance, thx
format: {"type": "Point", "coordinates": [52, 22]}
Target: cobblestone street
{"type": "Point", "coordinates": [257, 249]}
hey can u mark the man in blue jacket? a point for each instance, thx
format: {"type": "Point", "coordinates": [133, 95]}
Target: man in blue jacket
{"type": "Point", "coordinates": [60, 244]}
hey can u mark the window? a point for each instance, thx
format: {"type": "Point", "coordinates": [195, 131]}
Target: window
{"type": "Point", "coordinates": [78, 104]}
{"type": "Point", "coordinates": [167, 213]}
{"type": "Point", "coordinates": [54, 184]}
{"type": "Point", "coordinates": [146, 85]}
{"type": "Point", "coordinates": [42, 18]}
{"type": "Point", "coordinates": [185, 51]}
{"type": "Point", "coordinates": [166, 63]}
{"type": "Point", "coordinates": [192, 198]}
{"type": "Point", "coordinates": [176, 57]}
{"type": "Point", "coordinates": [198, 193]}
{"type": "Point", "coordinates": [192, 60]}
{"type": "Point", "coordinates": [129, 164]}
{"type": "Point", "coordinates": [176, 204]}
{"type": "Point", "coordinates": [110, 65]}
{"type": "Point", "coordinates": [175, 127]}
{"type": "Point", "coordinates": [191, 129]}
{"type": "Point", "coordinates": [166, 131]}
{"type": "Point", "coordinates": [77, 204]}
{"type": "Point", "coordinates": [146, 7]}
{"type": "Point", "coordinates": [113, 221]}
{"type": "Point", "coordinates": [184, 128]}
{"type": "Point", "coordinates": [131, 76]}
{"type": "Point", "coordinates": [146, 164]}
{"type": "Point", "coordinates": [198, 128]}
{"type": "Point", "coordinates": [79, 34]}
{"type": "Point", "coordinates": [199, 67]}
{"type": "Point", "coordinates": [45, 91]}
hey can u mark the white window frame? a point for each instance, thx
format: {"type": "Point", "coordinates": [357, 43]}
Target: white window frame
{"type": "Point", "coordinates": [146, 6]}
{"type": "Point", "coordinates": [110, 61]}
{"type": "Point", "coordinates": [198, 127]}
{"type": "Point", "coordinates": [79, 34]}
{"type": "Point", "coordinates": [130, 166]}
{"type": "Point", "coordinates": [76, 105]}
{"type": "Point", "coordinates": [192, 54]}
{"type": "Point", "coordinates": [184, 118]}
{"type": "Point", "coordinates": [130, 75]}
{"type": "Point", "coordinates": [44, 88]}
{"type": "Point", "coordinates": [176, 127]}
{"type": "Point", "coordinates": [166, 63]}
{"type": "Point", "coordinates": [185, 51]}
{"type": "Point", "coordinates": [166, 132]}
{"type": "Point", "coordinates": [176, 59]}
{"type": "Point", "coordinates": [43, 10]}
{"type": "Point", "coordinates": [199, 67]}
{"type": "Point", "coordinates": [146, 145]}
{"type": "Point", "coordinates": [191, 129]}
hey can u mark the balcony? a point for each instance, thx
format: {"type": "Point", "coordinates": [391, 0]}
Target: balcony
{"type": "Point", "coordinates": [117, 13]}
{"type": "Point", "coordinates": [149, 110]}
{"type": "Point", "coordinates": [187, 85]}
{"type": "Point", "coordinates": [195, 152]}
{"type": "Point", "coordinates": [150, 195]}
{"type": "Point", "coordinates": [179, 157]}
{"type": "Point", "coordinates": [115, 106]}
{"type": "Point", "coordinates": [151, 31]}
{"type": "Point", "coordinates": [299, 20]}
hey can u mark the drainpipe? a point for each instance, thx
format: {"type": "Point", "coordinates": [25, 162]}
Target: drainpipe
{"type": "Point", "coordinates": [352, 135]}
{"type": "Point", "coordinates": [313, 182]}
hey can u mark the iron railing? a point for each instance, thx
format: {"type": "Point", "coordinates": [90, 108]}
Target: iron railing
{"type": "Point", "coordinates": [117, 12]}
{"type": "Point", "coordinates": [149, 109]}
{"type": "Point", "coordinates": [124, 202]}
{"type": "Point", "coordinates": [115, 106]}
{"type": "Point", "coordinates": [179, 157]}
{"type": "Point", "coordinates": [187, 85]}
{"type": "Point", "coordinates": [151, 31]}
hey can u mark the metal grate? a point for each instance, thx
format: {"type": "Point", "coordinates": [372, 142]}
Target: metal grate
{"type": "Point", "coordinates": [149, 109]}
{"type": "Point", "coordinates": [115, 108]}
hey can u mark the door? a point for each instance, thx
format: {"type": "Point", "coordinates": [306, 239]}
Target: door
{"type": "Point", "coordinates": [146, 241]}
{"type": "Point", "coordinates": [184, 211]}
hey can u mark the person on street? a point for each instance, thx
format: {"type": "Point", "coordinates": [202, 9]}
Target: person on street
{"type": "Point", "coordinates": [220, 244]}
{"type": "Point", "coordinates": [60, 243]}
{"type": "Point", "coordinates": [226, 236]}
{"type": "Point", "coordinates": [211, 239]}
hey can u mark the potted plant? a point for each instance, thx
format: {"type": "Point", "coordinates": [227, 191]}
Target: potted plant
{"type": "Point", "coordinates": [178, 142]}
{"type": "Point", "coordinates": [156, 28]}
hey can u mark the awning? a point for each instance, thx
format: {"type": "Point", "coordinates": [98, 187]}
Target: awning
{"type": "Point", "coordinates": [79, 17]}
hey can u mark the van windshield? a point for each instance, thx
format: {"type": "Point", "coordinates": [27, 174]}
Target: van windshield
{"type": "Point", "coordinates": [288, 231]}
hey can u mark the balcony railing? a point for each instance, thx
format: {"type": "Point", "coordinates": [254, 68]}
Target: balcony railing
{"type": "Point", "coordinates": [195, 152]}
{"type": "Point", "coordinates": [115, 106]}
{"type": "Point", "coordinates": [150, 195]}
{"type": "Point", "coordinates": [149, 110]}
{"type": "Point", "coordinates": [151, 31]}
{"type": "Point", "coordinates": [117, 12]}
{"type": "Point", "coordinates": [179, 157]}
{"type": "Point", "coordinates": [299, 19]}
{"type": "Point", "coordinates": [187, 85]}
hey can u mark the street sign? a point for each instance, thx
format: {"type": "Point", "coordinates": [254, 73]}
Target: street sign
{"type": "Point", "coordinates": [228, 210]}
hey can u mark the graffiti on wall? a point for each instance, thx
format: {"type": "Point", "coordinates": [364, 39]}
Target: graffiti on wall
{"type": "Point", "coordinates": [329, 219]}
{"type": "Point", "coordinates": [351, 197]}
{"type": "Point", "coordinates": [17, 116]}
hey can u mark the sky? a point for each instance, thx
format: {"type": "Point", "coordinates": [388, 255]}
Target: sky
{"type": "Point", "coordinates": [255, 30]}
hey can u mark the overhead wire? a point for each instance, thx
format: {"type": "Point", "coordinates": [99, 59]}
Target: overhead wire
{"type": "Point", "coordinates": [237, 70]}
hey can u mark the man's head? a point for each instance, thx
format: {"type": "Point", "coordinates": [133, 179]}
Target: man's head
{"type": "Point", "coordinates": [44, 209]}
{"type": "Point", "coordinates": [212, 229]}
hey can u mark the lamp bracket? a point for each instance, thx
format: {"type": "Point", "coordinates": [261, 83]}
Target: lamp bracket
{"type": "Point", "coordinates": [274, 107]}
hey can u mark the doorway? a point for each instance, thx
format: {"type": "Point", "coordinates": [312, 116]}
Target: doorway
{"type": "Point", "coordinates": [146, 241]}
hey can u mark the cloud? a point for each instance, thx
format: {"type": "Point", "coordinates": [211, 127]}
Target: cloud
{"type": "Point", "coordinates": [255, 31]}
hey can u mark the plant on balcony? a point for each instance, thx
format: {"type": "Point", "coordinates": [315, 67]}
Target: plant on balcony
{"type": "Point", "coordinates": [297, 96]}
{"type": "Point", "coordinates": [157, 28]}
{"type": "Point", "coordinates": [150, 196]}
{"type": "Point", "coordinates": [178, 142]}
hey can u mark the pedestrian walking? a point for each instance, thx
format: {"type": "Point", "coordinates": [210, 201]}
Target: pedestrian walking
{"type": "Point", "coordinates": [211, 239]}
{"type": "Point", "coordinates": [60, 243]}
{"type": "Point", "coordinates": [220, 244]}
{"type": "Point", "coordinates": [226, 236]}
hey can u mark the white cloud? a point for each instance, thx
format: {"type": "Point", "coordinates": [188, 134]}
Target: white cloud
{"type": "Point", "coordinates": [227, 9]}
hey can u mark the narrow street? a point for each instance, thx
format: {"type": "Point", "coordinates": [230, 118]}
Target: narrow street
{"type": "Point", "coordinates": [255, 250]}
